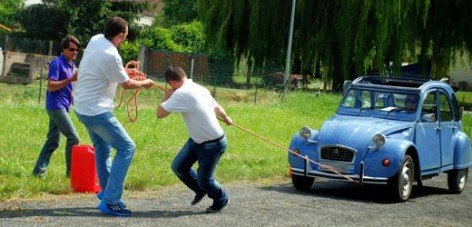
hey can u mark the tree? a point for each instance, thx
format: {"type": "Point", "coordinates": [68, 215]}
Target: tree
{"type": "Point", "coordinates": [44, 22]}
{"type": "Point", "coordinates": [179, 11]}
{"type": "Point", "coordinates": [346, 38]}
{"type": "Point", "coordinates": [8, 10]}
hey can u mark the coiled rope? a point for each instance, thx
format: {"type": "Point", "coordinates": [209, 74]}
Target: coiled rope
{"type": "Point", "coordinates": [132, 69]}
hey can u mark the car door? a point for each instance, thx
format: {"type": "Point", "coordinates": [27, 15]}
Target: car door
{"type": "Point", "coordinates": [448, 128]}
{"type": "Point", "coordinates": [427, 135]}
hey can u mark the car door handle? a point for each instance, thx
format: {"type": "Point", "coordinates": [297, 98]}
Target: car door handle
{"type": "Point", "coordinates": [438, 129]}
{"type": "Point", "coordinates": [454, 128]}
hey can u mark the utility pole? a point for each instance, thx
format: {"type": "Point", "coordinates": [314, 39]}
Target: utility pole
{"type": "Point", "coordinates": [289, 50]}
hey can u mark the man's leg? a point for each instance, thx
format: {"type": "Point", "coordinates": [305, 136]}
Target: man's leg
{"type": "Point", "coordinates": [208, 158]}
{"type": "Point", "coordinates": [182, 167]}
{"type": "Point", "coordinates": [65, 126]}
{"type": "Point", "coordinates": [51, 144]}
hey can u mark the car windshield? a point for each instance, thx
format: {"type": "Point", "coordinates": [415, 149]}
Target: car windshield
{"type": "Point", "coordinates": [395, 105]}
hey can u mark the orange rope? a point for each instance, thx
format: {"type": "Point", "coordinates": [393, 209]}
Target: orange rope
{"type": "Point", "coordinates": [332, 169]}
{"type": "Point", "coordinates": [132, 69]}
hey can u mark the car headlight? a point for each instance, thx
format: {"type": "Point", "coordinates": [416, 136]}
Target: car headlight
{"type": "Point", "coordinates": [379, 140]}
{"type": "Point", "coordinates": [305, 132]}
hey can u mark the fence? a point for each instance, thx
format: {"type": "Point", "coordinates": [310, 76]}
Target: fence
{"type": "Point", "coordinates": [221, 71]}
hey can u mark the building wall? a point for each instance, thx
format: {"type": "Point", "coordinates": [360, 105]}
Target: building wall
{"type": "Point", "coordinates": [461, 73]}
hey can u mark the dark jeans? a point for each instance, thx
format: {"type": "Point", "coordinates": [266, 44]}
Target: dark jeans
{"type": "Point", "coordinates": [59, 122]}
{"type": "Point", "coordinates": [207, 155]}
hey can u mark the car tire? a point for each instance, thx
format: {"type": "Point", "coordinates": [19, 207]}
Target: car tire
{"type": "Point", "coordinates": [457, 179]}
{"type": "Point", "coordinates": [401, 185]}
{"type": "Point", "coordinates": [302, 183]}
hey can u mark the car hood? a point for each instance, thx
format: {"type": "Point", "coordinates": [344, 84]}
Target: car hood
{"type": "Point", "coordinates": [357, 132]}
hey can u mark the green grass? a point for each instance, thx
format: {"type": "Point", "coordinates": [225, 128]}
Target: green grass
{"type": "Point", "coordinates": [158, 140]}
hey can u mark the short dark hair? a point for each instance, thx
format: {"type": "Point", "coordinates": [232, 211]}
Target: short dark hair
{"type": "Point", "coordinates": [174, 73]}
{"type": "Point", "coordinates": [115, 26]}
{"type": "Point", "coordinates": [65, 43]}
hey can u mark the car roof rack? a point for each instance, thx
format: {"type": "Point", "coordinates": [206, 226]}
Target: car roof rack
{"type": "Point", "coordinates": [390, 81]}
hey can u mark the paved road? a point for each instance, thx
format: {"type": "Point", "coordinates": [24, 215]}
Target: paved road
{"type": "Point", "coordinates": [261, 204]}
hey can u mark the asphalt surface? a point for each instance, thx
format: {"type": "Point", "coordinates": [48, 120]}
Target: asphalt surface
{"type": "Point", "coordinates": [274, 203]}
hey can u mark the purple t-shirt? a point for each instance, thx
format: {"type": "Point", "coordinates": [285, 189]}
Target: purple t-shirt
{"type": "Point", "coordinates": [60, 69]}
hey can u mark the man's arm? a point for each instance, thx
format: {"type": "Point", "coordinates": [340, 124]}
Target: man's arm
{"type": "Point", "coordinates": [134, 84]}
{"type": "Point", "coordinates": [54, 85]}
{"type": "Point", "coordinates": [220, 112]}
{"type": "Point", "coordinates": [161, 112]}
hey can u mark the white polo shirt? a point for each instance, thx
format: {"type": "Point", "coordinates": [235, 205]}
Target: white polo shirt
{"type": "Point", "coordinates": [197, 107]}
{"type": "Point", "coordinates": [100, 71]}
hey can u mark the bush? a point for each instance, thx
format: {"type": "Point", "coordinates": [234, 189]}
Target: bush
{"type": "Point", "coordinates": [190, 36]}
{"type": "Point", "coordinates": [129, 51]}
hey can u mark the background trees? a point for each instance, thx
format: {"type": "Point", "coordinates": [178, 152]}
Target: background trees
{"type": "Point", "coordinates": [345, 38]}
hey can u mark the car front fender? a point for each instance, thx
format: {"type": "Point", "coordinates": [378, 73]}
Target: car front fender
{"type": "Point", "coordinates": [394, 151]}
{"type": "Point", "coordinates": [307, 148]}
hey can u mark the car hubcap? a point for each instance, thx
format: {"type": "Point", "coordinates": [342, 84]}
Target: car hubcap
{"type": "Point", "coordinates": [406, 180]}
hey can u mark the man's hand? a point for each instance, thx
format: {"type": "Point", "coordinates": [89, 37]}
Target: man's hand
{"type": "Point", "coordinates": [148, 83]}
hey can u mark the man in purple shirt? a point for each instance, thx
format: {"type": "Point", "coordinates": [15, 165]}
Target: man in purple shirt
{"type": "Point", "coordinates": [58, 100]}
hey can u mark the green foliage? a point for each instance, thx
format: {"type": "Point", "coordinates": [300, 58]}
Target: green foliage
{"type": "Point", "coordinates": [179, 11]}
{"type": "Point", "coordinates": [42, 21]}
{"type": "Point", "coordinates": [347, 38]}
{"type": "Point", "coordinates": [129, 51]}
{"type": "Point", "coordinates": [55, 19]}
{"type": "Point", "coordinates": [190, 36]}
{"type": "Point", "coordinates": [8, 10]}
{"type": "Point", "coordinates": [180, 38]}
{"type": "Point", "coordinates": [160, 38]}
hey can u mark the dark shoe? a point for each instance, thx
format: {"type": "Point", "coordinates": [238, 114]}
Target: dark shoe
{"type": "Point", "coordinates": [39, 175]}
{"type": "Point", "coordinates": [100, 197]}
{"type": "Point", "coordinates": [197, 198]}
{"type": "Point", "coordinates": [217, 208]}
{"type": "Point", "coordinates": [115, 210]}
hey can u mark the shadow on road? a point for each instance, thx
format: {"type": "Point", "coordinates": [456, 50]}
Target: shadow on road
{"type": "Point", "coordinates": [90, 212]}
{"type": "Point", "coordinates": [356, 192]}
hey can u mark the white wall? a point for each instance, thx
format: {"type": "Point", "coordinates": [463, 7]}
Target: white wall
{"type": "Point", "coordinates": [462, 71]}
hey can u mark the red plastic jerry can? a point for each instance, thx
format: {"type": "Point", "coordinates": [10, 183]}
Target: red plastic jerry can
{"type": "Point", "coordinates": [83, 176]}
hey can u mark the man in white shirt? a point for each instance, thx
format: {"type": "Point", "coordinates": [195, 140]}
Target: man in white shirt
{"type": "Point", "coordinates": [101, 70]}
{"type": "Point", "coordinates": [207, 140]}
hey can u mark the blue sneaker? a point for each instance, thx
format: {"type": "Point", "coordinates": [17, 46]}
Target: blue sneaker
{"type": "Point", "coordinates": [100, 197]}
{"type": "Point", "coordinates": [113, 210]}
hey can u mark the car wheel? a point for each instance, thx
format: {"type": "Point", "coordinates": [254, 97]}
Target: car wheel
{"type": "Point", "coordinates": [457, 179]}
{"type": "Point", "coordinates": [302, 183]}
{"type": "Point", "coordinates": [401, 184]}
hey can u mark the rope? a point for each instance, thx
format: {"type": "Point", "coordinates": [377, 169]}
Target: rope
{"type": "Point", "coordinates": [132, 69]}
{"type": "Point", "coordinates": [332, 169]}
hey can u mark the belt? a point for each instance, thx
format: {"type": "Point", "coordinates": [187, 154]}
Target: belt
{"type": "Point", "coordinates": [215, 140]}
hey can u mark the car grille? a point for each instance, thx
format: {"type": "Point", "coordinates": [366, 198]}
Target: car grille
{"type": "Point", "coordinates": [340, 154]}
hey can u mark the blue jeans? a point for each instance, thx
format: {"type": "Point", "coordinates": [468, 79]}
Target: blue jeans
{"type": "Point", "coordinates": [207, 155]}
{"type": "Point", "coordinates": [59, 122]}
{"type": "Point", "coordinates": [106, 132]}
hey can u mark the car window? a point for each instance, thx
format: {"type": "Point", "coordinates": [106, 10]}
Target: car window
{"type": "Point", "coordinates": [445, 108]}
{"type": "Point", "coordinates": [428, 110]}
{"type": "Point", "coordinates": [357, 99]}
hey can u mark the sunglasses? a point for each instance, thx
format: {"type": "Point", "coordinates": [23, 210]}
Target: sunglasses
{"type": "Point", "coordinates": [73, 49]}
{"type": "Point", "coordinates": [411, 101]}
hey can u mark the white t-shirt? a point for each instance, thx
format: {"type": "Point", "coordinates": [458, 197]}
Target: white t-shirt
{"type": "Point", "coordinates": [100, 71]}
{"type": "Point", "coordinates": [197, 107]}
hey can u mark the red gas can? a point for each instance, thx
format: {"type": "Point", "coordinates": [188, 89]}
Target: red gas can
{"type": "Point", "coordinates": [83, 176]}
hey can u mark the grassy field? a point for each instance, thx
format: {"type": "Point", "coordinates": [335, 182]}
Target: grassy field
{"type": "Point", "coordinates": [158, 140]}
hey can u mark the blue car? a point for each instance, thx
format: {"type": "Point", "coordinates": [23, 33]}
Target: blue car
{"type": "Point", "coordinates": [389, 131]}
